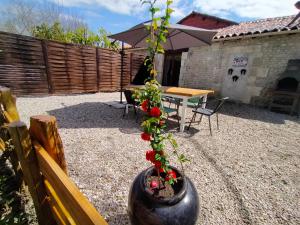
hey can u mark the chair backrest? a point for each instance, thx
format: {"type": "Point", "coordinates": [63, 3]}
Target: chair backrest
{"type": "Point", "coordinates": [220, 103]}
{"type": "Point", "coordinates": [200, 102]}
{"type": "Point", "coordinates": [128, 96]}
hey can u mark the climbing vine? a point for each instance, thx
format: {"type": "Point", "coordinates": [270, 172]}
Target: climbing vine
{"type": "Point", "coordinates": [150, 100]}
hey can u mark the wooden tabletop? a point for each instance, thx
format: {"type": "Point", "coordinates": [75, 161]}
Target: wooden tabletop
{"type": "Point", "coordinates": [186, 91]}
{"type": "Point", "coordinates": [190, 92]}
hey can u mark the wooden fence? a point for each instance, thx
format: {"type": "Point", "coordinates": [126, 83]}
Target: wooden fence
{"type": "Point", "coordinates": [32, 66]}
{"type": "Point", "coordinates": [38, 153]}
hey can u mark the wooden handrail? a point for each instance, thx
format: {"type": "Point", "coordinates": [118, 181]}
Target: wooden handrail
{"type": "Point", "coordinates": [40, 153]}
{"type": "Point", "coordinates": [68, 194]}
{"type": "Point", "coordinates": [58, 208]}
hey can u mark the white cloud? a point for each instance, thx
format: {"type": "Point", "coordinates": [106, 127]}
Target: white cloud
{"type": "Point", "coordinates": [247, 8]}
{"type": "Point", "coordinates": [127, 7]}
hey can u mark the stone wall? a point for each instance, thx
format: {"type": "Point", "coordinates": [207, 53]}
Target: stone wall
{"type": "Point", "coordinates": [207, 67]}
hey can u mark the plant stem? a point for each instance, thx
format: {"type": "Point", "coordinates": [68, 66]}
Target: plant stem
{"type": "Point", "coordinates": [177, 155]}
{"type": "Point", "coordinates": [158, 175]}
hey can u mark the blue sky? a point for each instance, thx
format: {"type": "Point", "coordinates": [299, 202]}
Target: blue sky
{"type": "Point", "coordinates": [118, 15]}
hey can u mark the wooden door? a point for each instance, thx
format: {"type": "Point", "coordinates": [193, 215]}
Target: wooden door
{"type": "Point", "coordinates": [172, 64]}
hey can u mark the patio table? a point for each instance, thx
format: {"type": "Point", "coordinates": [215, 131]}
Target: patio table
{"type": "Point", "coordinates": [181, 93]}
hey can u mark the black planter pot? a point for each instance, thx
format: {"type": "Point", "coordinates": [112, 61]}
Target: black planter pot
{"type": "Point", "coordinates": [145, 209]}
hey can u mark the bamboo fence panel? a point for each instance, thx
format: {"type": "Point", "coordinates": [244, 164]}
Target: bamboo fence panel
{"type": "Point", "coordinates": [72, 68]}
{"type": "Point", "coordinates": [22, 65]}
{"type": "Point", "coordinates": [32, 66]}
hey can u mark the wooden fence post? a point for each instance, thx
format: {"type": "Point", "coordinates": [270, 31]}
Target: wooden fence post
{"type": "Point", "coordinates": [44, 129]}
{"type": "Point", "coordinates": [97, 69]}
{"type": "Point", "coordinates": [9, 103]}
{"type": "Point", "coordinates": [10, 113]}
{"type": "Point", "coordinates": [48, 73]}
{"type": "Point", "coordinates": [130, 64]}
{"type": "Point", "coordinates": [31, 172]}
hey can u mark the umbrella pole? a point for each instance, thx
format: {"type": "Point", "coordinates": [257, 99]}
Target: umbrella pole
{"type": "Point", "coordinates": [122, 68]}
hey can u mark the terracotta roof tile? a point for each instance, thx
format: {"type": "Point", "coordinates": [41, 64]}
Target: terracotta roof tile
{"type": "Point", "coordinates": [260, 26]}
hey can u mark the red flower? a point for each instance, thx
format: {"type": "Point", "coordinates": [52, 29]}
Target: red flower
{"type": "Point", "coordinates": [155, 112]}
{"type": "Point", "coordinates": [161, 170]}
{"type": "Point", "coordinates": [150, 155]}
{"type": "Point", "coordinates": [146, 136]}
{"type": "Point", "coordinates": [157, 164]}
{"type": "Point", "coordinates": [145, 105]}
{"type": "Point", "coordinates": [154, 184]}
{"type": "Point", "coordinates": [171, 175]}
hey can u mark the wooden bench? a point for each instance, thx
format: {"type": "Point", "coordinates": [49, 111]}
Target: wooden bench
{"type": "Point", "coordinates": [40, 154]}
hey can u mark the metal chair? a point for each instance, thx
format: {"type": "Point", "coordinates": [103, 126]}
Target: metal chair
{"type": "Point", "coordinates": [208, 113]}
{"type": "Point", "coordinates": [194, 102]}
{"type": "Point", "coordinates": [130, 102]}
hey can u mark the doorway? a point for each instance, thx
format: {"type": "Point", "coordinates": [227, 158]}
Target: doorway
{"type": "Point", "coordinates": [172, 64]}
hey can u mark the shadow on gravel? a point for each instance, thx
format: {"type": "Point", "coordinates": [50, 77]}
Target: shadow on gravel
{"type": "Point", "coordinates": [243, 210]}
{"type": "Point", "coordinates": [100, 115]}
{"type": "Point", "coordinates": [254, 113]}
{"type": "Point", "coordinates": [92, 115]}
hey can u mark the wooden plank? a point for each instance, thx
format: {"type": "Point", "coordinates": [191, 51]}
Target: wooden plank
{"type": "Point", "coordinates": [59, 219]}
{"type": "Point", "coordinates": [186, 91]}
{"type": "Point", "coordinates": [44, 129]}
{"type": "Point", "coordinates": [22, 66]}
{"type": "Point", "coordinates": [23, 147]}
{"type": "Point", "coordinates": [2, 144]}
{"type": "Point", "coordinates": [21, 42]}
{"type": "Point", "coordinates": [15, 60]}
{"type": "Point", "coordinates": [77, 205]}
{"type": "Point", "coordinates": [61, 212]}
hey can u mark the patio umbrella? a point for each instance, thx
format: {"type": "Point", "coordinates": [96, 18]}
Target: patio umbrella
{"type": "Point", "coordinates": [179, 37]}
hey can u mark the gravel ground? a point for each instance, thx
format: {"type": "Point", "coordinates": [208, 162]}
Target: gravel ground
{"type": "Point", "coordinates": [246, 173]}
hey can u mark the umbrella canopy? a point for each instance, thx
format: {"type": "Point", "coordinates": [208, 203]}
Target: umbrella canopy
{"type": "Point", "coordinates": [179, 36]}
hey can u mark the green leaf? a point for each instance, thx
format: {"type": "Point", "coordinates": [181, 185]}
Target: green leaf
{"type": "Point", "coordinates": [169, 10]}
{"type": "Point", "coordinates": [157, 156]}
{"type": "Point", "coordinates": [173, 142]}
{"type": "Point", "coordinates": [183, 159]}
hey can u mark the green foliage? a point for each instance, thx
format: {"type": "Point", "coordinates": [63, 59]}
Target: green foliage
{"type": "Point", "coordinates": [105, 42]}
{"type": "Point", "coordinates": [80, 35]}
{"type": "Point", "coordinates": [158, 32]}
{"type": "Point", "coordinates": [54, 32]}
{"type": "Point", "coordinates": [11, 205]}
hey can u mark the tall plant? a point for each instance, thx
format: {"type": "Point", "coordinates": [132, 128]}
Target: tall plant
{"type": "Point", "coordinates": [150, 99]}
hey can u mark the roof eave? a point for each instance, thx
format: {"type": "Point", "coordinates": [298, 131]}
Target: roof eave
{"type": "Point", "coordinates": [256, 35]}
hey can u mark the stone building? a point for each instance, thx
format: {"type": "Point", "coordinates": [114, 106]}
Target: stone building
{"type": "Point", "coordinates": [263, 48]}
{"type": "Point", "coordinates": [172, 59]}
{"type": "Point", "coordinates": [246, 61]}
